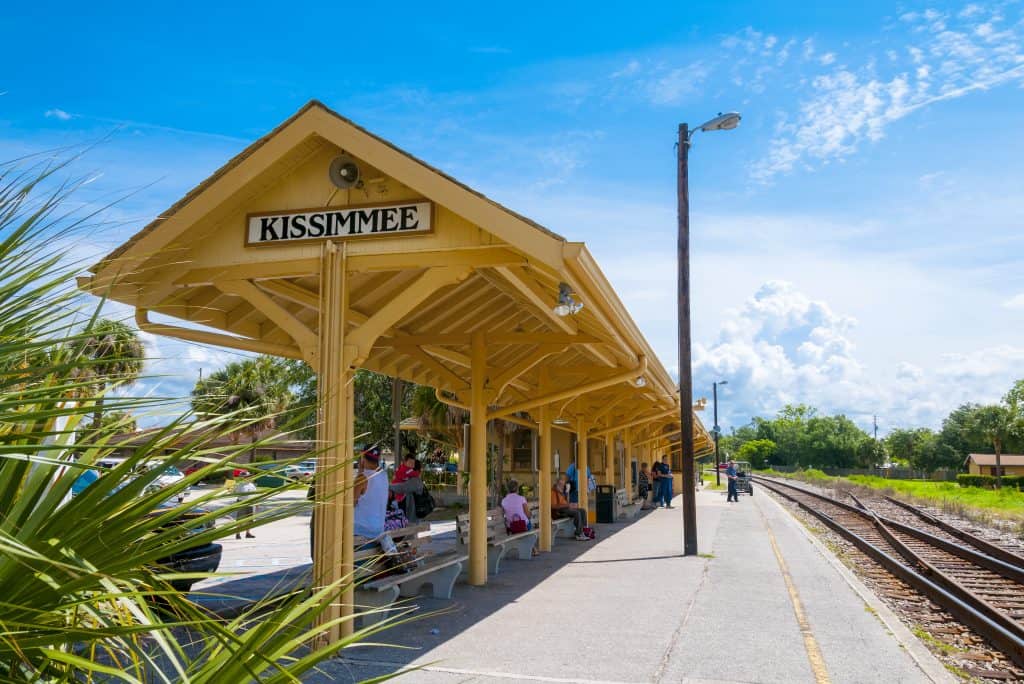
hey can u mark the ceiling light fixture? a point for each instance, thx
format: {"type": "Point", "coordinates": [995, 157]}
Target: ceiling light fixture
{"type": "Point", "coordinates": [567, 305]}
{"type": "Point", "coordinates": [640, 381]}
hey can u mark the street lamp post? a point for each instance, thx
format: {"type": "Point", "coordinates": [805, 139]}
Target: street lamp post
{"type": "Point", "coordinates": [722, 122]}
{"type": "Point", "coordinates": [717, 431]}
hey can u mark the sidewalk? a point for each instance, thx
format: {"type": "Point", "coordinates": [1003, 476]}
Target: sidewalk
{"type": "Point", "coordinates": [629, 608]}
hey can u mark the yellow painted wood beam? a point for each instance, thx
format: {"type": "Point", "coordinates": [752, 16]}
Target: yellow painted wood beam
{"type": "Point", "coordinates": [638, 421]}
{"type": "Point", "coordinates": [541, 301]}
{"type": "Point", "coordinates": [544, 477]}
{"type": "Point", "coordinates": [333, 518]}
{"type": "Point", "coordinates": [292, 292]}
{"type": "Point", "coordinates": [305, 338]}
{"type": "Point", "coordinates": [478, 464]}
{"type": "Point", "coordinates": [582, 464]}
{"type": "Point", "coordinates": [401, 304]}
{"type": "Point", "coordinates": [215, 339]}
{"type": "Point", "coordinates": [255, 270]}
{"type": "Point", "coordinates": [625, 376]}
{"type": "Point", "coordinates": [508, 375]}
{"type": "Point", "coordinates": [474, 257]}
{"type": "Point", "coordinates": [455, 382]}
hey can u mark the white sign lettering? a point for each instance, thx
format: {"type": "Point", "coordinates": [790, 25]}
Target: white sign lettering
{"type": "Point", "coordinates": [321, 224]}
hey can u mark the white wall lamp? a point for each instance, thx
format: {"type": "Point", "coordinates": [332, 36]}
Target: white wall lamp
{"type": "Point", "coordinates": [567, 305]}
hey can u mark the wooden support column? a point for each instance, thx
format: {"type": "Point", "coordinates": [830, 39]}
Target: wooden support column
{"type": "Point", "coordinates": [478, 463]}
{"type": "Point", "coordinates": [334, 504]}
{"type": "Point", "coordinates": [544, 484]}
{"type": "Point", "coordinates": [609, 459]}
{"type": "Point", "coordinates": [582, 463]}
{"type": "Point", "coordinates": [627, 461]}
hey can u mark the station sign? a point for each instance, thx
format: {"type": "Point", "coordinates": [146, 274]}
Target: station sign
{"type": "Point", "coordinates": [378, 220]}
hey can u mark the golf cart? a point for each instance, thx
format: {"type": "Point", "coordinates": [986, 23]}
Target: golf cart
{"type": "Point", "coordinates": [743, 478]}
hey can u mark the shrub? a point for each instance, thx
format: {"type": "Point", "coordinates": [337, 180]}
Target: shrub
{"type": "Point", "coordinates": [985, 481]}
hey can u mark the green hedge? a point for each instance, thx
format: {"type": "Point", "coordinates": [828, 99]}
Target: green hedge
{"type": "Point", "coordinates": [989, 481]}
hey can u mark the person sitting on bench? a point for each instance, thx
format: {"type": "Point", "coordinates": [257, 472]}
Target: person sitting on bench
{"type": "Point", "coordinates": [516, 509]}
{"type": "Point", "coordinates": [560, 508]}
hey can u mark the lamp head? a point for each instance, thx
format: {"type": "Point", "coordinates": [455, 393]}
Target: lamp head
{"type": "Point", "coordinates": [722, 122]}
{"type": "Point", "coordinates": [567, 305]}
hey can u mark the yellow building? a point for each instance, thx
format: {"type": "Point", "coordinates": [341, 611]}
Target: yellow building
{"type": "Point", "coordinates": [323, 242]}
{"type": "Point", "coordinates": [985, 464]}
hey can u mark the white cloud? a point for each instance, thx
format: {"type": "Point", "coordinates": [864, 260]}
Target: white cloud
{"type": "Point", "coordinates": [1015, 302]}
{"type": "Point", "coordinates": [949, 57]}
{"type": "Point", "coordinates": [57, 114]}
{"type": "Point", "coordinates": [781, 346]}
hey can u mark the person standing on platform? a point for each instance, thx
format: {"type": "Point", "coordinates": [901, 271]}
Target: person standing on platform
{"type": "Point", "coordinates": [730, 472]}
{"type": "Point", "coordinates": [666, 482]}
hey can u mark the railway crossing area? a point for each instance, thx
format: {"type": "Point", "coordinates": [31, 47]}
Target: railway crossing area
{"type": "Point", "coordinates": [765, 602]}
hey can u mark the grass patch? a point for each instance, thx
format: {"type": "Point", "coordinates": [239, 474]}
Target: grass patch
{"type": "Point", "coordinates": [975, 503]}
{"type": "Point", "coordinates": [1005, 502]}
{"type": "Point", "coordinates": [935, 643]}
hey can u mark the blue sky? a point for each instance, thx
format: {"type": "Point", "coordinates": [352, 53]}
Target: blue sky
{"type": "Point", "coordinates": [857, 242]}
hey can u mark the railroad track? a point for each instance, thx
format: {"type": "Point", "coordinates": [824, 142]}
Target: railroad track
{"type": "Point", "coordinates": [976, 582]}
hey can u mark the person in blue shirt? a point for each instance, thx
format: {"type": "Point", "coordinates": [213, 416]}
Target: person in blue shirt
{"type": "Point", "coordinates": [662, 483]}
{"type": "Point", "coordinates": [572, 474]}
{"type": "Point", "coordinates": [730, 472]}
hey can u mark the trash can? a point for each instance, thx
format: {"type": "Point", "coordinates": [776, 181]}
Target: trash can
{"type": "Point", "coordinates": [605, 503]}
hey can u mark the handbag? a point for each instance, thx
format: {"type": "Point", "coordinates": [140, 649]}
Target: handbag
{"type": "Point", "coordinates": [589, 532]}
{"type": "Point", "coordinates": [517, 526]}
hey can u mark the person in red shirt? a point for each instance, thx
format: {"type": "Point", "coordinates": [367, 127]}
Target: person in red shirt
{"type": "Point", "coordinates": [405, 471]}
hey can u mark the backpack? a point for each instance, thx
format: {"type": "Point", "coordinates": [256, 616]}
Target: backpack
{"type": "Point", "coordinates": [589, 532]}
{"type": "Point", "coordinates": [424, 503]}
{"type": "Point", "coordinates": [517, 526]}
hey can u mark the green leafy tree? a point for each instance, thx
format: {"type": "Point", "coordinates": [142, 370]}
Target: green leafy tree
{"type": "Point", "coordinates": [75, 609]}
{"type": "Point", "coordinates": [253, 392]}
{"type": "Point", "coordinates": [113, 355]}
{"type": "Point", "coordinates": [997, 424]}
{"type": "Point", "coordinates": [758, 451]}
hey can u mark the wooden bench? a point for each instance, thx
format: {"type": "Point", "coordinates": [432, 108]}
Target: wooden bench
{"type": "Point", "coordinates": [560, 527]}
{"type": "Point", "coordinates": [499, 542]}
{"type": "Point", "coordinates": [624, 508]}
{"type": "Point", "coordinates": [437, 571]}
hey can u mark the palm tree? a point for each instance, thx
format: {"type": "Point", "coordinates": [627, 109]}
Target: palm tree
{"type": "Point", "coordinates": [442, 422]}
{"type": "Point", "coordinates": [997, 424]}
{"type": "Point", "coordinates": [253, 392]}
{"type": "Point", "coordinates": [114, 356]}
{"type": "Point", "coordinates": [77, 573]}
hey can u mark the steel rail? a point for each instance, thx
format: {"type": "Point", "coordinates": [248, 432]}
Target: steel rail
{"type": "Point", "coordinates": [943, 578]}
{"type": "Point", "coordinates": [1009, 642]}
{"type": "Point", "coordinates": [1007, 569]}
{"type": "Point", "coordinates": [983, 544]}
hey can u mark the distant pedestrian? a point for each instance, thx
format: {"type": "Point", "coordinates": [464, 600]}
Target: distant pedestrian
{"type": "Point", "coordinates": [730, 472]}
{"type": "Point", "coordinates": [666, 487]}
{"type": "Point", "coordinates": [643, 485]}
{"type": "Point", "coordinates": [244, 489]}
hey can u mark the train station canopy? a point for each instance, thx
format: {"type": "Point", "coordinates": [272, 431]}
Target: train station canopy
{"type": "Point", "coordinates": [429, 262]}
{"type": "Point", "coordinates": [323, 242]}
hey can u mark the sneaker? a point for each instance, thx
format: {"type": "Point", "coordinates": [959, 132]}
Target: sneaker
{"type": "Point", "coordinates": [670, 506]}
{"type": "Point", "coordinates": [582, 537]}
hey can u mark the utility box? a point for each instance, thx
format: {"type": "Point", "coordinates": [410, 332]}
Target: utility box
{"type": "Point", "coordinates": [605, 503]}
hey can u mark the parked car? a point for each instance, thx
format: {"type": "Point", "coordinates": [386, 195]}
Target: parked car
{"type": "Point", "coordinates": [303, 470]}
{"type": "Point", "coordinates": [198, 559]}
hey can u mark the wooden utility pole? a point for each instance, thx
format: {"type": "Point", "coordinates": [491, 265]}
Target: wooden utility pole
{"type": "Point", "coordinates": [685, 369]}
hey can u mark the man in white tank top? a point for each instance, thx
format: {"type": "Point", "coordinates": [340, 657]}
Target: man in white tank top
{"type": "Point", "coordinates": [371, 505]}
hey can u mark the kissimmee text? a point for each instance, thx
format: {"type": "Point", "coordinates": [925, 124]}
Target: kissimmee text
{"type": "Point", "coordinates": [340, 223]}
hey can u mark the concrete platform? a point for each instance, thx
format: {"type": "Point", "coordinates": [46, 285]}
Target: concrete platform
{"type": "Point", "coordinates": [629, 608]}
